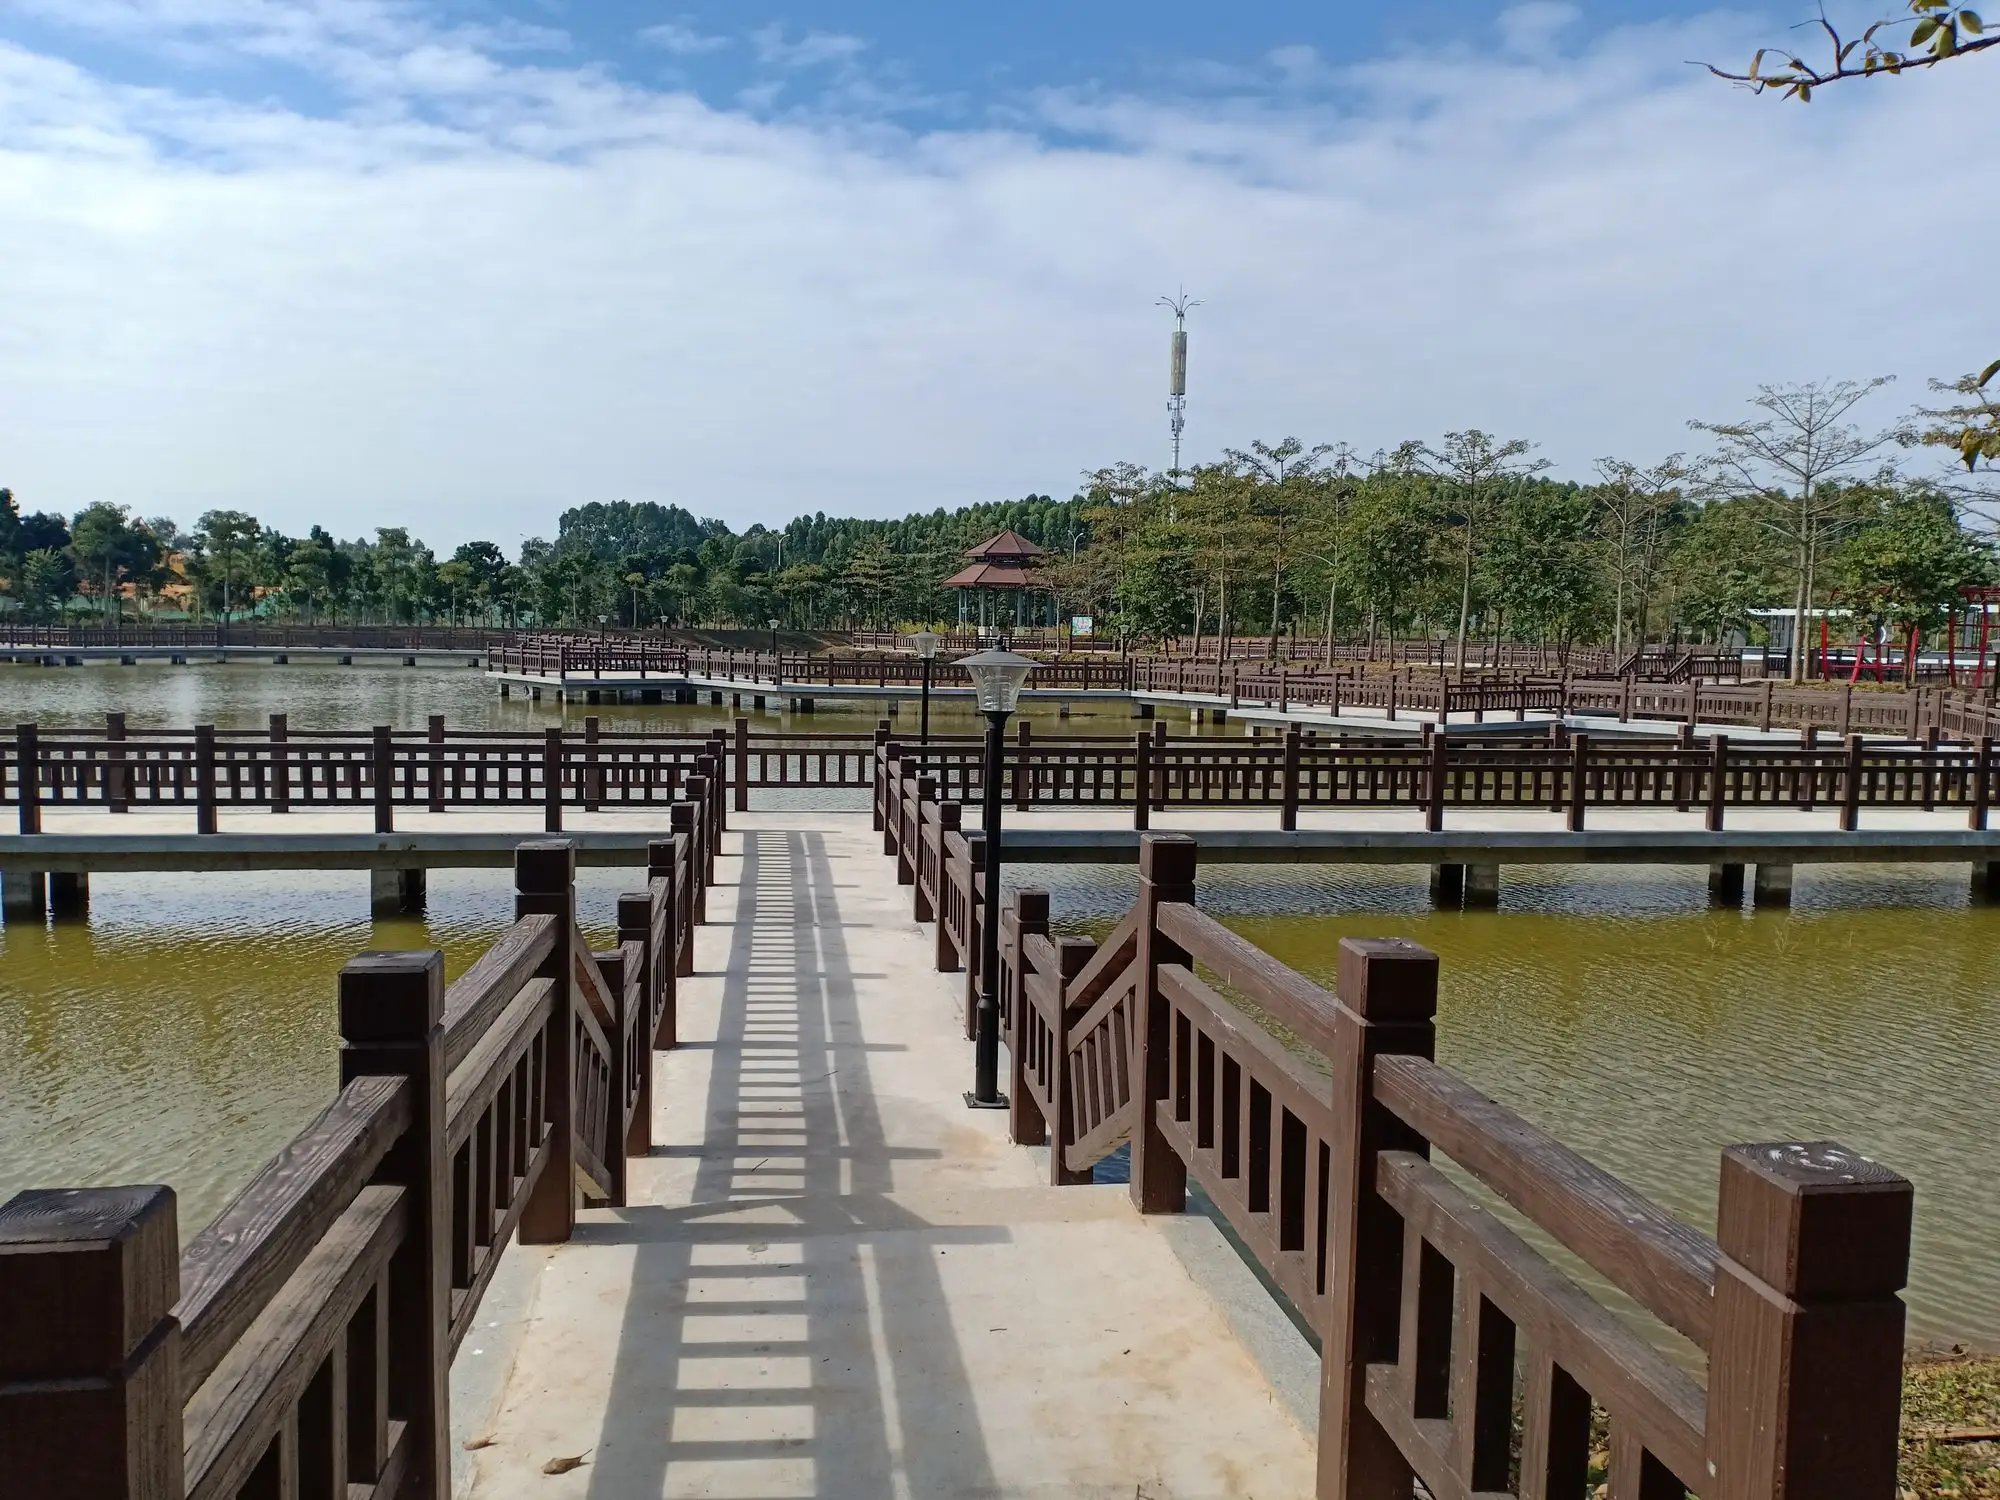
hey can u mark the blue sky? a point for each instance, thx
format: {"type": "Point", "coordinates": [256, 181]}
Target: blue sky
{"type": "Point", "coordinates": [460, 263]}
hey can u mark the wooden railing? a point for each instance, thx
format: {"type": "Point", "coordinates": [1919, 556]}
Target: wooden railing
{"type": "Point", "coordinates": [1564, 773]}
{"type": "Point", "coordinates": [254, 635]}
{"type": "Point", "coordinates": [282, 769]}
{"type": "Point", "coordinates": [300, 1345]}
{"type": "Point", "coordinates": [1453, 1352]}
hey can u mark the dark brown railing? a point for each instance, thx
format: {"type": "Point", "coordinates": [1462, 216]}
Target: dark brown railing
{"type": "Point", "coordinates": [1453, 1352]}
{"type": "Point", "coordinates": [435, 769]}
{"type": "Point", "coordinates": [301, 1343]}
{"type": "Point", "coordinates": [254, 636]}
{"type": "Point", "coordinates": [1565, 773]}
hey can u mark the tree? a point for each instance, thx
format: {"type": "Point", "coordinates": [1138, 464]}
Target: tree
{"type": "Point", "coordinates": [10, 523]}
{"type": "Point", "coordinates": [1971, 424]}
{"type": "Point", "coordinates": [1907, 567]}
{"type": "Point", "coordinates": [1724, 563]}
{"type": "Point", "coordinates": [310, 571]}
{"type": "Point", "coordinates": [1281, 482]}
{"type": "Point", "coordinates": [1928, 33]}
{"type": "Point", "coordinates": [1473, 470]}
{"type": "Point", "coordinates": [455, 577]}
{"type": "Point", "coordinates": [1633, 505]}
{"type": "Point", "coordinates": [110, 547]}
{"type": "Point", "coordinates": [869, 576]}
{"type": "Point", "coordinates": [47, 579]}
{"type": "Point", "coordinates": [1792, 459]}
{"type": "Point", "coordinates": [227, 537]}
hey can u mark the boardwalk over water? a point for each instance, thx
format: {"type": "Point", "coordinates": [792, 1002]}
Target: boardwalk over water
{"type": "Point", "coordinates": [832, 1278]}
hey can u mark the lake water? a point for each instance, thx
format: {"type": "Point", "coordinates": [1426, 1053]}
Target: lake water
{"type": "Point", "coordinates": [187, 1029]}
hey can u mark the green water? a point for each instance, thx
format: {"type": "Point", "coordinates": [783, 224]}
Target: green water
{"type": "Point", "coordinates": [186, 1029]}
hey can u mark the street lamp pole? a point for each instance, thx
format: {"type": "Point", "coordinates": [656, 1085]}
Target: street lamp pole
{"type": "Point", "coordinates": [925, 644]}
{"type": "Point", "coordinates": [773, 623]}
{"type": "Point", "coordinates": [997, 678]}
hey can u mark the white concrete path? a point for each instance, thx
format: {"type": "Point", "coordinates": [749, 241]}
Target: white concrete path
{"type": "Point", "coordinates": [836, 1280]}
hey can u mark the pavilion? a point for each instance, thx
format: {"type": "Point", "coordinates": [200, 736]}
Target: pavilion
{"type": "Point", "coordinates": [1004, 574]}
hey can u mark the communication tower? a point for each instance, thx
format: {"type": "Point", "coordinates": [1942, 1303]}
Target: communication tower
{"type": "Point", "coordinates": [1177, 370]}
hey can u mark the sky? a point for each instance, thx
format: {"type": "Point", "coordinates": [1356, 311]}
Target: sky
{"type": "Point", "coordinates": [460, 264]}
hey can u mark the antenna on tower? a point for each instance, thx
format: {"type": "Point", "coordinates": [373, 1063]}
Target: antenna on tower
{"type": "Point", "coordinates": [1180, 302]}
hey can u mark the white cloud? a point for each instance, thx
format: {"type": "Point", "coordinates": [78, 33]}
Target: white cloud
{"type": "Point", "coordinates": [683, 38]}
{"type": "Point", "coordinates": [491, 288]}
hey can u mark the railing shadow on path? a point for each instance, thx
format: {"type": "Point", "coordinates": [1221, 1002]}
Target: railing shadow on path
{"type": "Point", "coordinates": [786, 1330]}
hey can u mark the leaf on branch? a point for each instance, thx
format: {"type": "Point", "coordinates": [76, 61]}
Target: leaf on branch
{"type": "Point", "coordinates": [1988, 373]}
{"type": "Point", "coordinates": [1969, 22]}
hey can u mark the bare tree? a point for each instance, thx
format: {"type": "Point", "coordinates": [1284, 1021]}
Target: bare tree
{"type": "Point", "coordinates": [1281, 477]}
{"type": "Point", "coordinates": [1793, 458]}
{"type": "Point", "coordinates": [1633, 505]}
{"type": "Point", "coordinates": [1475, 470]}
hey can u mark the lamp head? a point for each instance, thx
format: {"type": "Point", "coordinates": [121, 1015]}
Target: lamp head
{"type": "Point", "coordinates": [997, 678]}
{"type": "Point", "coordinates": [925, 643]}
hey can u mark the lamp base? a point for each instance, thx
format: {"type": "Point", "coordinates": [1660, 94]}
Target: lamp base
{"type": "Point", "coordinates": [973, 1101]}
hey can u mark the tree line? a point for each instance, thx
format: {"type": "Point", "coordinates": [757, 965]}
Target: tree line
{"type": "Point", "coordinates": [617, 564]}
{"type": "Point", "coordinates": [1463, 537]}
{"type": "Point", "coordinates": [1795, 508]}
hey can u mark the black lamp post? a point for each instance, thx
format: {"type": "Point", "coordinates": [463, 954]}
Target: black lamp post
{"type": "Point", "coordinates": [925, 643]}
{"type": "Point", "coordinates": [773, 623]}
{"type": "Point", "coordinates": [997, 678]}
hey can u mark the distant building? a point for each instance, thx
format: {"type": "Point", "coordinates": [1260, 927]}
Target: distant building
{"type": "Point", "coordinates": [1002, 583]}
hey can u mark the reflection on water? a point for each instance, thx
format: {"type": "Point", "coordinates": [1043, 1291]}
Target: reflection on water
{"type": "Point", "coordinates": [1620, 1013]}
{"type": "Point", "coordinates": [189, 1028]}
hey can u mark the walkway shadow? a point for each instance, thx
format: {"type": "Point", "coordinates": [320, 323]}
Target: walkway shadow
{"type": "Point", "coordinates": [786, 1332]}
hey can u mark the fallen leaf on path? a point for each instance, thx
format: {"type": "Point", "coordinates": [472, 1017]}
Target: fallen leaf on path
{"type": "Point", "coordinates": [564, 1465]}
{"type": "Point", "coordinates": [473, 1445]}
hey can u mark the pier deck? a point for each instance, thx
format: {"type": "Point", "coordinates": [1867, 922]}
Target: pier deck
{"type": "Point", "coordinates": [834, 1279]}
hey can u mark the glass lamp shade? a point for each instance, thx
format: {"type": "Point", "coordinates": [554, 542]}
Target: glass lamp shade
{"type": "Point", "coordinates": [774, 624]}
{"type": "Point", "coordinates": [997, 678]}
{"type": "Point", "coordinates": [925, 643]}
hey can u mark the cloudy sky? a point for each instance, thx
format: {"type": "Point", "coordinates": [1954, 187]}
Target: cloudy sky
{"type": "Point", "coordinates": [458, 264]}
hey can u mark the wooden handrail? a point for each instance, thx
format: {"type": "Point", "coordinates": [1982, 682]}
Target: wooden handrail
{"type": "Point", "coordinates": [1662, 1264]}
{"type": "Point", "coordinates": [234, 1267]}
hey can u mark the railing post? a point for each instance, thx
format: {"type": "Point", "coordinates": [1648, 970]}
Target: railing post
{"type": "Point", "coordinates": [635, 925]}
{"type": "Point", "coordinates": [281, 763]}
{"type": "Point", "coordinates": [381, 786]}
{"type": "Point", "coordinates": [661, 882]}
{"type": "Point", "coordinates": [28, 775]}
{"type": "Point", "coordinates": [593, 785]}
{"type": "Point", "coordinates": [975, 916]}
{"type": "Point", "coordinates": [1764, 708]}
{"type": "Point", "coordinates": [1023, 784]}
{"type": "Point", "coordinates": [1072, 955]}
{"type": "Point", "coordinates": [1288, 787]}
{"type": "Point", "coordinates": [1850, 786]}
{"type": "Point", "coordinates": [618, 1065]}
{"type": "Point", "coordinates": [945, 957]}
{"type": "Point", "coordinates": [434, 763]}
{"type": "Point", "coordinates": [545, 884]}
{"type": "Point", "coordinates": [204, 779]}
{"type": "Point", "coordinates": [710, 768]}
{"type": "Point", "coordinates": [1434, 783]}
{"type": "Point", "coordinates": [1846, 708]}
{"type": "Point", "coordinates": [718, 749]}
{"type": "Point", "coordinates": [1579, 760]}
{"type": "Point", "coordinates": [892, 755]}
{"type": "Point", "coordinates": [90, 1382]}
{"type": "Point", "coordinates": [117, 792]}
{"type": "Point", "coordinates": [1142, 780]}
{"type": "Point", "coordinates": [552, 779]}
{"type": "Point", "coordinates": [687, 828]}
{"type": "Point", "coordinates": [703, 862]}
{"type": "Point", "coordinates": [742, 789]}
{"type": "Point", "coordinates": [1387, 991]}
{"type": "Point", "coordinates": [1166, 874]}
{"type": "Point", "coordinates": [392, 1022]}
{"type": "Point", "coordinates": [1718, 778]}
{"type": "Point", "coordinates": [1805, 1364]}
{"type": "Point", "coordinates": [1159, 780]}
{"type": "Point", "coordinates": [920, 906]}
{"type": "Point", "coordinates": [1982, 765]}
{"type": "Point", "coordinates": [1025, 1126]}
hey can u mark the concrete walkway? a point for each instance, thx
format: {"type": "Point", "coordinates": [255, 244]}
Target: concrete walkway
{"type": "Point", "coordinates": [835, 1280]}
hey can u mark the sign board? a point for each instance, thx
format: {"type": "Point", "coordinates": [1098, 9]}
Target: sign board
{"type": "Point", "coordinates": [1079, 625]}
